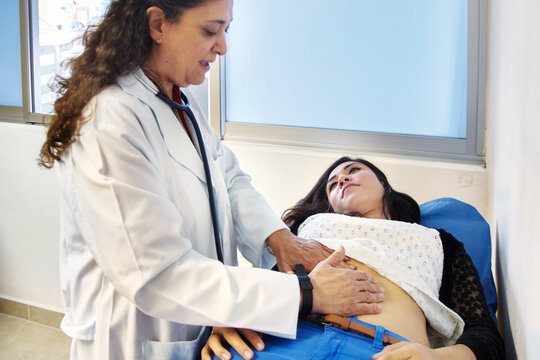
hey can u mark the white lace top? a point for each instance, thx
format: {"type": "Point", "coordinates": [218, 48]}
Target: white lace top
{"type": "Point", "coordinates": [410, 255]}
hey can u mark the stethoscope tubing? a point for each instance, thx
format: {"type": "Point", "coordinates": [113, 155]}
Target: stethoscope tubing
{"type": "Point", "coordinates": [211, 200]}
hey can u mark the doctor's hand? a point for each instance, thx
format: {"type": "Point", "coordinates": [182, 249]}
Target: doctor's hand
{"type": "Point", "coordinates": [289, 250]}
{"type": "Point", "coordinates": [343, 291]}
{"type": "Point", "coordinates": [231, 336]}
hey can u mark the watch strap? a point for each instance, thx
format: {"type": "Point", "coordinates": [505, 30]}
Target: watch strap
{"type": "Point", "coordinates": [307, 290]}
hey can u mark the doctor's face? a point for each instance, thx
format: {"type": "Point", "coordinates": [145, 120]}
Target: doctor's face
{"type": "Point", "coordinates": [183, 50]}
{"type": "Point", "coordinates": [354, 189]}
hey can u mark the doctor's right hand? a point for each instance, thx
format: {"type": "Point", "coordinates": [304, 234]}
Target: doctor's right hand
{"type": "Point", "coordinates": [341, 291]}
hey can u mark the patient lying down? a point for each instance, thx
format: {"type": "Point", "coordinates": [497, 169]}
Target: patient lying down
{"type": "Point", "coordinates": [433, 296]}
{"type": "Point", "coordinates": [406, 259]}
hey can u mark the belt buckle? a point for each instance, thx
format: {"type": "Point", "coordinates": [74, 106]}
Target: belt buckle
{"type": "Point", "coordinates": [332, 324]}
{"type": "Point", "coordinates": [326, 323]}
{"type": "Point", "coordinates": [321, 320]}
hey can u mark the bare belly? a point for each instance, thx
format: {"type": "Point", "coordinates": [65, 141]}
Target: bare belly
{"type": "Point", "coordinates": [399, 312]}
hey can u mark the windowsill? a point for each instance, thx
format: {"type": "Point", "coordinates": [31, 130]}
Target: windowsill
{"type": "Point", "coordinates": [16, 115]}
{"type": "Point", "coordinates": [11, 114]}
{"type": "Point", "coordinates": [335, 151]}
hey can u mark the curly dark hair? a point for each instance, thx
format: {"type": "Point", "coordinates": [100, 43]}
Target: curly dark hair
{"type": "Point", "coordinates": [396, 205]}
{"type": "Point", "coordinates": [115, 47]}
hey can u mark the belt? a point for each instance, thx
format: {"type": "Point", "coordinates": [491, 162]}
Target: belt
{"type": "Point", "coordinates": [346, 324]}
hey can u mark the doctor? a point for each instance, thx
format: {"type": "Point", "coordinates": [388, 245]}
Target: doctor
{"type": "Point", "coordinates": [139, 274]}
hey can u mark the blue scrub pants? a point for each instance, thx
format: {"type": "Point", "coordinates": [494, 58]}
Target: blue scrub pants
{"type": "Point", "coordinates": [314, 342]}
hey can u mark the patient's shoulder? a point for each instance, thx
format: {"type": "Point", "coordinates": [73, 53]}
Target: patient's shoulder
{"type": "Point", "coordinates": [449, 242]}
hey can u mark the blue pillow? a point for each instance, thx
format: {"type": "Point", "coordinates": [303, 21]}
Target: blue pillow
{"type": "Point", "coordinates": [466, 224]}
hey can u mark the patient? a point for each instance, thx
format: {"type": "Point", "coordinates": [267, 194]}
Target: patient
{"type": "Point", "coordinates": [433, 296]}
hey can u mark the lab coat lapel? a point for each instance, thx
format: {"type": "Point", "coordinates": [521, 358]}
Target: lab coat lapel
{"type": "Point", "coordinates": [179, 145]}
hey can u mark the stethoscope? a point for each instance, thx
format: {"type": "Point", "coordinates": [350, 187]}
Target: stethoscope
{"type": "Point", "coordinates": [186, 109]}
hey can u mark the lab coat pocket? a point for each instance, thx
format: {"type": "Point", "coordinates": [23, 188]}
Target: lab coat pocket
{"type": "Point", "coordinates": [79, 332]}
{"type": "Point", "coordinates": [191, 349]}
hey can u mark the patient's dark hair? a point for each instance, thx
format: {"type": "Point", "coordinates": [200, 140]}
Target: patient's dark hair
{"type": "Point", "coordinates": [396, 205]}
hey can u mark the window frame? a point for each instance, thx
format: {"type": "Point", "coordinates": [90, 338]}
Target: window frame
{"type": "Point", "coordinates": [18, 114]}
{"type": "Point", "coordinates": [24, 113]}
{"type": "Point", "coordinates": [471, 149]}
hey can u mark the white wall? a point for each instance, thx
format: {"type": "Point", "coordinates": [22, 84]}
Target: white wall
{"type": "Point", "coordinates": [513, 110]}
{"type": "Point", "coordinates": [284, 175]}
{"type": "Point", "coordinates": [28, 220]}
{"type": "Point", "coordinates": [29, 200]}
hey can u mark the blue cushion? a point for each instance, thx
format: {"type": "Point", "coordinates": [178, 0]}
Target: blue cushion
{"type": "Point", "coordinates": [466, 224]}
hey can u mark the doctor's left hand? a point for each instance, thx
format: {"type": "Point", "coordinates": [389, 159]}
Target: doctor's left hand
{"type": "Point", "coordinates": [235, 338]}
{"type": "Point", "coordinates": [289, 250]}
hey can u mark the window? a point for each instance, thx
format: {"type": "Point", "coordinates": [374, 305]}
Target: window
{"type": "Point", "coordinates": [57, 30]}
{"type": "Point", "coordinates": [10, 60]}
{"type": "Point", "coordinates": [52, 32]}
{"type": "Point", "coordinates": [388, 76]}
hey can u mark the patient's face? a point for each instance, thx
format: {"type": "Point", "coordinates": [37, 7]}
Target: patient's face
{"type": "Point", "coordinates": [354, 189]}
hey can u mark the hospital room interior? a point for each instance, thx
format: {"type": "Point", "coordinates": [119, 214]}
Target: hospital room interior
{"type": "Point", "coordinates": [493, 166]}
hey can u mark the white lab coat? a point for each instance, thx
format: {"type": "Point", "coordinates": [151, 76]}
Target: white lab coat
{"type": "Point", "coordinates": [138, 269]}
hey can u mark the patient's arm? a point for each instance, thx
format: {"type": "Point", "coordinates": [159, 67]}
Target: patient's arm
{"type": "Point", "coordinates": [414, 351]}
{"type": "Point", "coordinates": [461, 290]}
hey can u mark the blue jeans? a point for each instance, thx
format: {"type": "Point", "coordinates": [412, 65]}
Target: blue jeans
{"type": "Point", "coordinates": [317, 342]}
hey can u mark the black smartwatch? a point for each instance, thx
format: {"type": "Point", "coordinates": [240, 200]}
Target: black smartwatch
{"type": "Point", "coordinates": [307, 290]}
